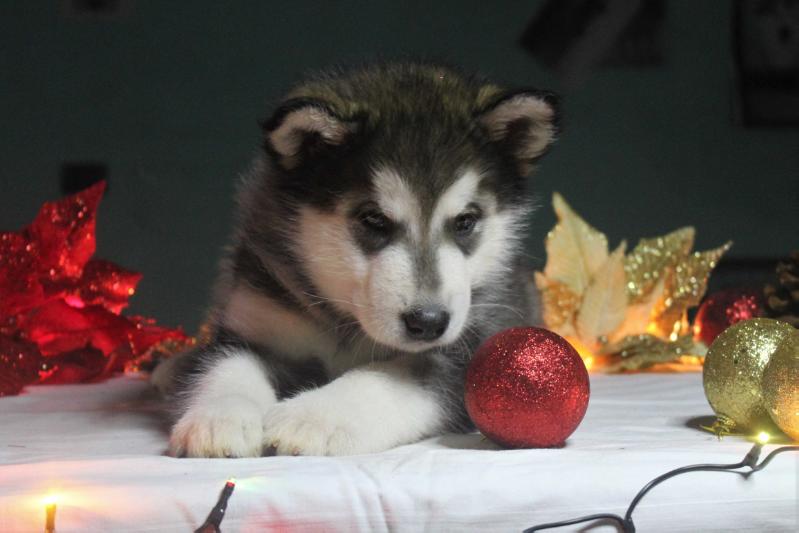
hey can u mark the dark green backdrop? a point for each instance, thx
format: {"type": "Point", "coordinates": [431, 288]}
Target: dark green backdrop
{"type": "Point", "coordinates": [169, 98]}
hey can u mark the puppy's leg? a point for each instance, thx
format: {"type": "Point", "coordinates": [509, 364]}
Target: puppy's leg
{"type": "Point", "coordinates": [223, 403]}
{"type": "Point", "coordinates": [365, 410]}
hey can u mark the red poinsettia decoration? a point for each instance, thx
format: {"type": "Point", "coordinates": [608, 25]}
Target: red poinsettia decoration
{"type": "Point", "coordinates": [60, 318]}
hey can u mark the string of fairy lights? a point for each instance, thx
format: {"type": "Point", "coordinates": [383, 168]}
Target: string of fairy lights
{"type": "Point", "coordinates": [751, 461]}
{"type": "Point", "coordinates": [212, 523]}
{"type": "Point", "coordinates": [626, 524]}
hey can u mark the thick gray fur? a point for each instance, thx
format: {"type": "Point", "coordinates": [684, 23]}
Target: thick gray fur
{"type": "Point", "coordinates": [419, 119]}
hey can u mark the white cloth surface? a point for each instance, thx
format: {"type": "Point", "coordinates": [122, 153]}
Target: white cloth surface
{"type": "Point", "coordinates": [100, 447]}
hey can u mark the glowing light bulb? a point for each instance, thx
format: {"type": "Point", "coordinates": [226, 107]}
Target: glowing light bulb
{"type": "Point", "coordinates": [763, 437]}
{"type": "Point", "coordinates": [49, 502]}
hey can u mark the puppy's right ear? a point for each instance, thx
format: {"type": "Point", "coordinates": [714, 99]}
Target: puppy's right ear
{"type": "Point", "coordinates": [303, 127]}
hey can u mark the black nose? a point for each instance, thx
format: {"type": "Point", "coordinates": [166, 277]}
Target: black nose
{"type": "Point", "coordinates": [426, 323]}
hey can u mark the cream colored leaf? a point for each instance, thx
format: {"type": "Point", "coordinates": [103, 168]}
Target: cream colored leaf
{"type": "Point", "coordinates": [639, 315]}
{"type": "Point", "coordinates": [575, 250]}
{"type": "Point", "coordinates": [605, 300]}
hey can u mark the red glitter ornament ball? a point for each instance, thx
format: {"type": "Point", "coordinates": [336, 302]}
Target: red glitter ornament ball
{"type": "Point", "coordinates": [527, 388]}
{"type": "Point", "coordinates": [724, 308]}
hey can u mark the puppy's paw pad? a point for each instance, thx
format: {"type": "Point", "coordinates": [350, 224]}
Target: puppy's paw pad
{"type": "Point", "coordinates": [229, 427]}
{"type": "Point", "coordinates": [298, 428]}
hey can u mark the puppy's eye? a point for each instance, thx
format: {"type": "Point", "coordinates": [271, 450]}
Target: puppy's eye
{"type": "Point", "coordinates": [464, 224]}
{"type": "Point", "coordinates": [375, 220]}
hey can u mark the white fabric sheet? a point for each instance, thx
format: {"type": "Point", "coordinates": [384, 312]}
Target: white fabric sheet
{"type": "Point", "coordinates": [100, 447]}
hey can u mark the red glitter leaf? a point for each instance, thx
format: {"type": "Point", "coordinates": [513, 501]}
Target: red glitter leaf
{"type": "Point", "coordinates": [20, 363]}
{"type": "Point", "coordinates": [19, 285]}
{"type": "Point", "coordinates": [60, 316]}
{"type": "Point", "coordinates": [63, 231]}
{"type": "Point", "coordinates": [102, 283]}
{"type": "Point", "coordinates": [54, 247]}
{"type": "Point", "coordinates": [78, 366]}
{"type": "Point", "coordinates": [149, 334]}
{"type": "Point", "coordinates": [57, 327]}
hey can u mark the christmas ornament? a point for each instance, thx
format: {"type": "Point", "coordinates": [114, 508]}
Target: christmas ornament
{"type": "Point", "coordinates": [527, 387]}
{"type": "Point", "coordinates": [604, 299]}
{"type": "Point", "coordinates": [733, 372]}
{"type": "Point", "coordinates": [782, 297]}
{"type": "Point", "coordinates": [724, 308]}
{"type": "Point", "coordinates": [60, 318]}
{"type": "Point", "coordinates": [781, 386]}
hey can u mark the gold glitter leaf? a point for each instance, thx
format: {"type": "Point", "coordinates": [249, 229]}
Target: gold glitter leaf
{"type": "Point", "coordinates": [651, 260]}
{"type": "Point", "coordinates": [605, 300]}
{"type": "Point", "coordinates": [685, 287]}
{"type": "Point", "coordinates": [575, 250]}
{"type": "Point", "coordinates": [637, 352]}
{"type": "Point", "coordinates": [598, 298]}
{"type": "Point", "coordinates": [559, 302]}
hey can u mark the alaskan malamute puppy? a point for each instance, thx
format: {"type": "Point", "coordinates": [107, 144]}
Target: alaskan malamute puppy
{"type": "Point", "coordinates": [377, 244]}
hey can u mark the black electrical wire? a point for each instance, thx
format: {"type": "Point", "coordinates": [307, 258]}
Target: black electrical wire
{"type": "Point", "coordinates": [627, 525]}
{"type": "Point", "coordinates": [770, 456]}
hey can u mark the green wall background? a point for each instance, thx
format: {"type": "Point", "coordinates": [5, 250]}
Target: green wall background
{"type": "Point", "coordinates": [169, 98]}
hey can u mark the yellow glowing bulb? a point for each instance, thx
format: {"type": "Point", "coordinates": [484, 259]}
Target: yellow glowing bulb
{"type": "Point", "coordinates": [763, 437]}
{"type": "Point", "coordinates": [49, 513]}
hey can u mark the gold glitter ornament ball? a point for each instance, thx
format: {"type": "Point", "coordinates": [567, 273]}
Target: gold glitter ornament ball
{"type": "Point", "coordinates": [733, 371]}
{"type": "Point", "coordinates": [781, 386]}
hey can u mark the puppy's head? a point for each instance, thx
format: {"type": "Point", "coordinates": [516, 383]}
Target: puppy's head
{"type": "Point", "coordinates": [408, 199]}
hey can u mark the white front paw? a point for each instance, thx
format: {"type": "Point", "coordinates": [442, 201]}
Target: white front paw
{"type": "Point", "coordinates": [307, 425]}
{"type": "Point", "coordinates": [228, 427]}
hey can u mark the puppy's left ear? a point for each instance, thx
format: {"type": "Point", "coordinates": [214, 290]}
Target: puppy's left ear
{"type": "Point", "coordinates": [523, 124]}
{"type": "Point", "coordinates": [303, 128]}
